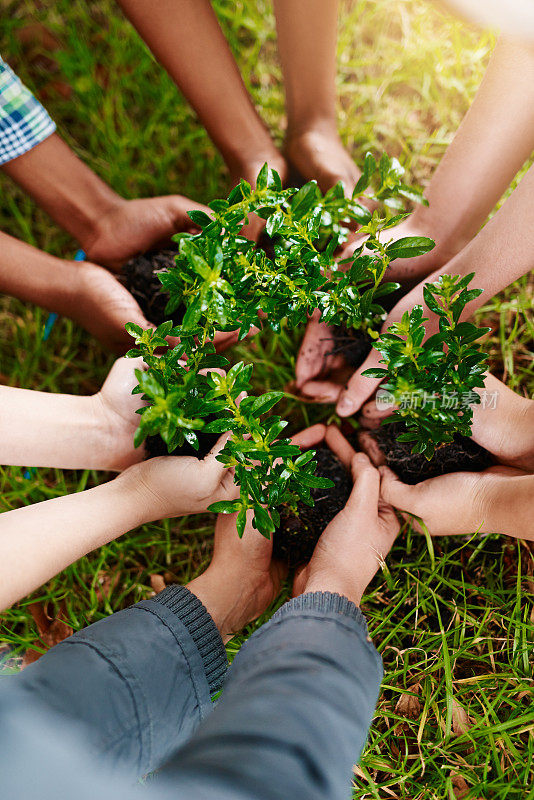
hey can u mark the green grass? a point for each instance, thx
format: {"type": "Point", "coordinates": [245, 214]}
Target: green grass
{"type": "Point", "coordinates": [456, 627]}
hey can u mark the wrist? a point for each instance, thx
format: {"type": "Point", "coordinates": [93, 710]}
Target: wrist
{"type": "Point", "coordinates": [64, 186]}
{"type": "Point", "coordinates": [227, 600]}
{"type": "Point", "coordinates": [335, 582]}
{"type": "Point", "coordinates": [500, 493]}
{"type": "Point", "coordinates": [449, 241]}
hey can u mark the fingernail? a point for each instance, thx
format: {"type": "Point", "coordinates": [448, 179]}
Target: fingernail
{"type": "Point", "coordinates": [345, 407]}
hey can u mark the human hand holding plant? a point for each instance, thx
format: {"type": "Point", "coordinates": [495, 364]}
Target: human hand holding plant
{"type": "Point", "coordinates": [242, 580]}
{"type": "Point", "coordinates": [103, 306]}
{"type": "Point", "coordinates": [354, 545]}
{"type": "Point", "coordinates": [129, 227]}
{"type": "Point", "coordinates": [503, 424]}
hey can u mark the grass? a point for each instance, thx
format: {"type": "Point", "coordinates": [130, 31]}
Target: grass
{"type": "Point", "coordinates": [454, 627]}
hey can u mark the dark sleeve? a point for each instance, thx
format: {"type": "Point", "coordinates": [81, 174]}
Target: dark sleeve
{"type": "Point", "coordinates": [295, 711]}
{"type": "Point", "coordinates": [136, 684]}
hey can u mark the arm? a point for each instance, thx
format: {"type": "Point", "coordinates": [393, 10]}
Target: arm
{"type": "Point", "coordinates": [185, 37]}
{"type": "Point", "coordinates": [38, 541]}
{"type": "Point", "coordinates": [109, 228]}
{"type": "Point", "coordinates": [138, 683]}
{"type": "Point", "coordinates": [300, 695]}
{"type": "Point", "coordinates": [47, 429]}
{"type": "Point", "coordinates": [295, 711]}
{"type": "Point", "coordinates": [307, 41]}
{"type": "Point", "coordinates": [494, 140]}
{"type": "Point", "coordinates": [85, 292]}
{"type": "Point", "coordinates": [496, 501]}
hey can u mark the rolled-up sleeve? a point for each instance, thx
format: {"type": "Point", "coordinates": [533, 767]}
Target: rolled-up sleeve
{"type": "Point", "coordinates": [24, 122]}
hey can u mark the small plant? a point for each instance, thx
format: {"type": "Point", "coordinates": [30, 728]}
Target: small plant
{"type": "Point", "coordinates": [225, 282]}
{"type": "Point", "coordinates": [432, 382]}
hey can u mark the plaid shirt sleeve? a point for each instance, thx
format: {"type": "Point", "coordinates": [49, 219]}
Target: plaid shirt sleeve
{"type": "Point", "coordinates": [24, 122]}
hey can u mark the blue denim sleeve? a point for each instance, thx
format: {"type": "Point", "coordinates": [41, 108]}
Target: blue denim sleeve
{"type": "Point", "coordinates": [136, 684]}
{"type": "Point", "coordinates": [295, 711]}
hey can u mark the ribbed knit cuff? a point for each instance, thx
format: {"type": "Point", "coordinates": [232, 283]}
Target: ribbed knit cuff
{"type": "Point", "coordinates": [191, 613]}
{"type": "Point", "coordinates": [324, 602]}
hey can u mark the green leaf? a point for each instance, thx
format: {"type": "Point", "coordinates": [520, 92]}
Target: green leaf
{"type": "Point", "coordinates": [265, 403]}
{"type": "Point", "coordinates": [225, 507]}
{"type": "Point", "coordinates": [314, 481]}
{"type": "Point", "coordinates": [200, 218]}
{"type": "Point", "coordinates": [375, 373]}
{"type": "Point", "coordinates": [409, 247]}
{"type": "Point", "coordinates": [304, 200]}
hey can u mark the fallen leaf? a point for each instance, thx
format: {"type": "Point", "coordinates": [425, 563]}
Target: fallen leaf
{"type": "Point", "coordinates": [408, 705]}
{"type": "Point", "coordinates": [460, 721]}
{"type": "Point", "coordinates": [51, 632]}
{"type": "Point", "coordinates": [54, 88]}
{"type": "Point", "coordinates": [459, 786]}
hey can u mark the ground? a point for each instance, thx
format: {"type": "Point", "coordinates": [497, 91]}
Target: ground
{"type": "Point", "coordinates": [453, 622]}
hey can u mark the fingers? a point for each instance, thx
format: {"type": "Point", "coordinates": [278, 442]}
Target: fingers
{"type": "Point", "coordinates": [370, 446]}
{"type": "Point", "coordinates": [339, 445]}
{"type": "Point", "coordinates": [217, 448]}
{"type": "Point", "coordinates": [359, 388]}
{"type": "Point", "coordinates": [321, 391]}
{"type": "Point", "coordinates": [372, 414]}
{"type": "Point", "coordinates": [310, 436]}
{"type": "Point", "coordinates": [366, 489]}
{"type": "Point", "coordinates": [398, 494]}
{"type": "Point", "coordinates": [314, 350]}
{"type": "Point", "coordinates": [224, 339]}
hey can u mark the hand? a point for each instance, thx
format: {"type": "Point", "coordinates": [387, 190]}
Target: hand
{"type": "Point", "coordinates": [317, 153]}
{"type": "Point", "coordinates": [319, 372]}
{"type": "Point", "coordinates": [322, 377]}
{"type": "Point", "coordinates": [115, 406]}
{"type": "Point", "coordinates": [356, 542]}
{"type": "Point", "coordinates": [173, 486]}
{"type": "Point", "coordinates": [498, 500]}
{"type": "Point", "coordinates": [242, 580]}
{"type": "Point", "coordinates": [503, 423]}
{"type": "Point", "coordinates": [103, 306]}
{"type": "Point", "coordinates": [130, 227]}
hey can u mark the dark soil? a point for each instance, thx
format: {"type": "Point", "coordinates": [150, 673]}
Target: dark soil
{"type": "Point", "coordinates": [353, 345]}
{"type": "Point", "coordinates": [140, 276]}
{"type": "Point", "coordinates": [295, 540]}
{"type": "Point", "coordinates": [462, 455]}
{"type": "Point", "coordinates": [155, 446]}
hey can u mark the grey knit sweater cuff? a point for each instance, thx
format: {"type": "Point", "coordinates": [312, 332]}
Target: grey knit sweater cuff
{"type": "Point", "coordinates": [201, 628]}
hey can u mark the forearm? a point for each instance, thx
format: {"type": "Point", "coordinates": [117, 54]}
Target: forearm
{"type": "Point", "coordinates": [186, 38]}
{"type": "Point", "coordinates": [36, 277]}
{"type": "Point", "coordinates": [295, 710]}
{"type": "Point", "coordinates": [493, 142]}
{"type": "Point", "coordinates": [45, 429]}
{"type": "Point", "coordinates": [68, 190]}
{"type": "Point", "coordinates": [506, 503]}
{"type": "Point", "coordinates": [38, 541]}
{"type": "Point", "coordinates": [307, 39]}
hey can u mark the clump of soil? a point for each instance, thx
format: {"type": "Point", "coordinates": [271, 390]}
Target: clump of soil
{"type": "Point", "coordinates": [155, 446]}
{"type": "Point", "coordinates": [462, 455]}
{"type": "Point", "coordinates": [353, 345]}
{"type": "Point", "coordinates": [295, 540]}
{"type": "Point", "coordinates": [140, 276]}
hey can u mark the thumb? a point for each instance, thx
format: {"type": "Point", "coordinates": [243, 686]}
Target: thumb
{"type": "Point", "coordinates": [399, 495]}
{"type": "Point", "coordinates": [366, 487]}
{"type": "Point", "coordinates": [359, 387]}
